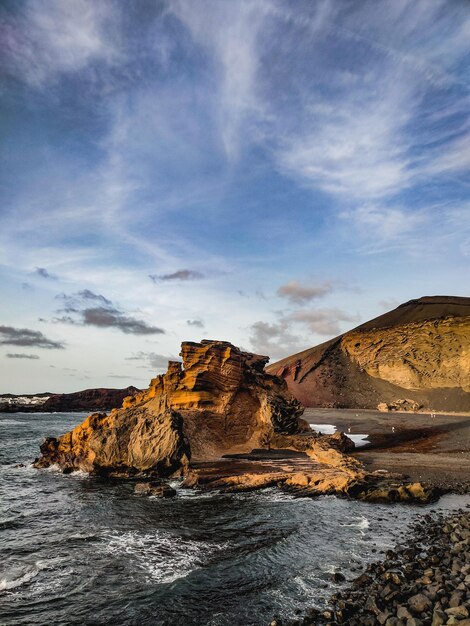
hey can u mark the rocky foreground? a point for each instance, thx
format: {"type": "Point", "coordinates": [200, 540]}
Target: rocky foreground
{"type": "Point", "coordinates": [424, 582]}
{"type": "Point", "coordinates": [201, 419]}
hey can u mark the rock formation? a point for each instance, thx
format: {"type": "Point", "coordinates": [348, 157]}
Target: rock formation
{"type": "Point", "coordinates": [86, 400]}
{"type": "Point", "coordinates": [419, 351]}
{"type": "Point", "coordinates": [218, 403]}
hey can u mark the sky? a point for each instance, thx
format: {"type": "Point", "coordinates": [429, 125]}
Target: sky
{"type": "Point", "coordinates": [264, 172]}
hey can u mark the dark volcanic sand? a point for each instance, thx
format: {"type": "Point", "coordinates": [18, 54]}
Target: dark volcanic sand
{"type": "Point", "coordinates": [434, 449]}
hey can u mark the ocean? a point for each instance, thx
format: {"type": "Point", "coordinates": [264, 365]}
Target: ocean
{"type": "Point", "coordinates": [81, 550]}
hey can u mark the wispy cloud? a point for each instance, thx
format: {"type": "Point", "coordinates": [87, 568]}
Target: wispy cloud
{"type": "Point", "coordinates": [16, 355]}
{"type": "Point", "coordinates": [41, 271]}
{"type": "Point", "coordinates": [105, 315]}
{"type": "Point", "coordinates": [383, 227]}
{"type": "Point", "coordinates": [48, 39]}
{"type": "Point", "coordinates": [297, 293]}
{"type": "Point", "coordinates": [275, 340]}
{"type": "Point", "coordinates": [153, 360]}
{"type": "Point", "coordinates": [11, 336]}
{"type": "Point", "coordinates": [178, 275]}
{"type": "Point", "coordinates": [322, 321]}
{"type": "Point", "coordinates": [231, 33]}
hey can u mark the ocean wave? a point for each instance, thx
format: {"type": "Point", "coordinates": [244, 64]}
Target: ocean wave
{"type": "Point", "coordinates": [362, 523]}
{"type": "Point", "coordinates": [26, 577]}
{"type": "Point", "coordinates": [11, 522]}
{"type": "Point", "coordinates": [161, 556]}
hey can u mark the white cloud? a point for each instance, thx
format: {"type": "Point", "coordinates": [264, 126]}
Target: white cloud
{"type": "Point", "coordinates": [274, 339]}
{"type": "Point", "coordinates": [322, 321]}
{"type": "Point", "coordinates": [59, 36]}
{"type": "Point", "coordinates": [231, 31]}
{"type": "Point", "coordinates": [384, 225]}
{"type": "Point", "coordinates": [296, 331]}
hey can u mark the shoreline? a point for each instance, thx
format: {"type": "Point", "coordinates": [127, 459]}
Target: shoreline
{"type": "Point", "coordinates": [424, 580]}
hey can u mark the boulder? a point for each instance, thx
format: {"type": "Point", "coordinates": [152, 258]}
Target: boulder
{"type": "Point", "coordinates": [156, 489]}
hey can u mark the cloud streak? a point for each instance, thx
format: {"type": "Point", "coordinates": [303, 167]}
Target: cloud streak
{"type": "Point", "coordinates": [154, 360]}
{"type": "Point", "coordinates": [48, 40]}
{"type": "Point", "coordinates": [297, 293]}
{"type": "Point", "coordinates": [41, 271]}
{"type": "Point", "coordinates": [105, 315]}
{"type": "Point", "coordinates": [184, 275]}
{"type": "Point", "coordinates": [10, 336]}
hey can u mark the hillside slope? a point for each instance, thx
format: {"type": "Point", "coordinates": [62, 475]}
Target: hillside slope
{"type": "Point", "coordinates": [419, 351]}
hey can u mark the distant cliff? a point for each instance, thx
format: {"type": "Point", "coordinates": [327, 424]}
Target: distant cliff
{"type": "Point", "coordinates": [87, 400]}
{"type": "Point", "coordinates": [420, 351]}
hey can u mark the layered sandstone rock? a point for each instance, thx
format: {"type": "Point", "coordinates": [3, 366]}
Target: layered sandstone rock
{"type": "Point", "coordinates": [419, 351]}
{"type": "Point", "coordinates": [218, 400]}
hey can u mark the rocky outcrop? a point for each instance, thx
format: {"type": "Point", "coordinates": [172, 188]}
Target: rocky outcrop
{"type": "Point", "coordinates": [202, 415]}
{"type": "Point", "coordinates": [419, 351]}
{"type": "Point", "coordinates": [424, 581]}
{"type": "Point", "coordinates": [218, 400]}
{"type": "Point", "coordinates": [404, 404]}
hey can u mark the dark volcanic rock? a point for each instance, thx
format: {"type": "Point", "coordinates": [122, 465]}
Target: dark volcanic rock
{"type": "Point", "coordinates": [428, 585]}
{"type": "Point", "coordinates": [87, 400]}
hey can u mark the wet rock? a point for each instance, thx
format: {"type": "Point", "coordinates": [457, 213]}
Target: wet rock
{"type": "Point", "coordinates": [419, 603]}
{"type": "Point", "coordinates": [156, 489]}
{"type": "Point", "coordinates": [384, 595]}
{"type": "Point", "coordinates": [457, 611]}
{"type": "Point", "coordinates": [438, 618]}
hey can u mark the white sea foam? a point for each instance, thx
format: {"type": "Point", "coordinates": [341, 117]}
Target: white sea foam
{"type": "Point", "coordinates": [362, 523]}
{"type": "Point", "coordinates": [359, 440]}
{"type": "Point", "coordinates": [21, 577]}
{"type": "Point", "coordinates": [161, 556]}
{"type": "Point", "coordinates": [53, 468]}
{"type": "Point", "coordinates": [78, 474]}
{"type": "Point", "coordinates": [324, 429]}
{"type": "Point", "coordinates": [330, 429]}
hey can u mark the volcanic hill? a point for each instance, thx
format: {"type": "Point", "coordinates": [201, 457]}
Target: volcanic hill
{"type": "Point", "coordinates": [416, 355]}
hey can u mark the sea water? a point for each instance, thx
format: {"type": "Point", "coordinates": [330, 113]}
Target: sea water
{"type": "Point", "coordinates": [81, 550]}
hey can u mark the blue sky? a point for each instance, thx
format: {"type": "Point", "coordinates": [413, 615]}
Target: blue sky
{"type": "Point", "coordinates": [266, 172]}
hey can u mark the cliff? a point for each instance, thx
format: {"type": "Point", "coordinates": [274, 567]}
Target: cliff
{"type": "Point", "coordinates": [418, 352]}
{"type": "Point", "coordinates": [86, 400]}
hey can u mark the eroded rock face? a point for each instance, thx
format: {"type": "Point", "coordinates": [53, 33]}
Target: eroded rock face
{"type": "Point", "coordinates": [218, 400]}
{"type": "Point", "coordinates": [419, 351]}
